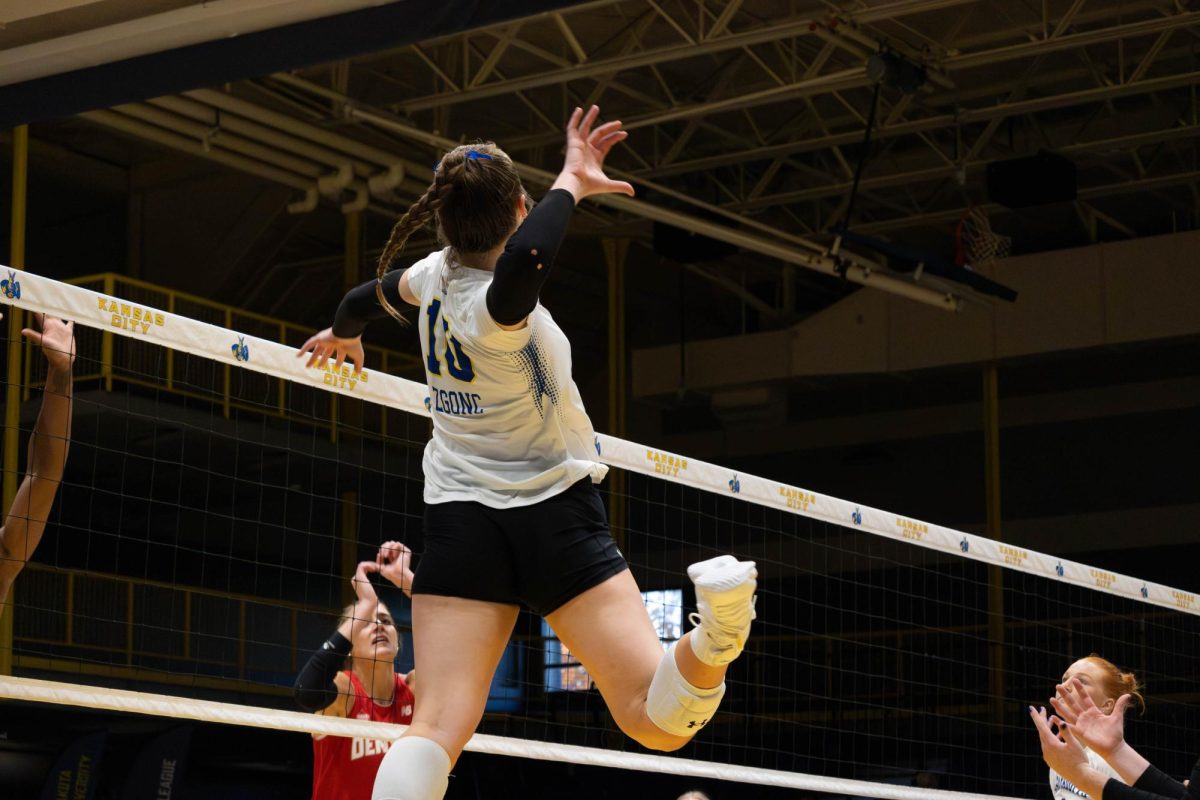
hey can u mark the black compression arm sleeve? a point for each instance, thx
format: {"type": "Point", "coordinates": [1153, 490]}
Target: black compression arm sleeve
{"type": "Point", "coordinates": [1115, 790]}
{"type": "Point", "coordinates": [315, 688]}
{"type": "Point", "coordinates": [360, 306]}
{"type": "Point", "coordinates": [519, 273]}
{"type": "Point", "coordinates": [1154, 784]}
{"type": "Point", "coordinates": [1156, 781]}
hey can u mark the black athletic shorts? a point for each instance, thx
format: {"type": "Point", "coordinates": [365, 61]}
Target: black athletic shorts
{"type": "Point", "coordinates": [541, 555]}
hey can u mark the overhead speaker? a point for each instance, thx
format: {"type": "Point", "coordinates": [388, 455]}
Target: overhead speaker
{"type": "Point", "coordinates": [1031, 181]}
{"type": "Point", "coordinates": [896, 71]}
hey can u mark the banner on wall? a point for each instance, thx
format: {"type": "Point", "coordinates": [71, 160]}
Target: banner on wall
{"type": "Point", "coordinates": [77, 771]}
{"type": "Point", "coordinates": [158, 771]}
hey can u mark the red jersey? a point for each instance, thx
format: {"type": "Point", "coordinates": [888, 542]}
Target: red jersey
{"type": "Point", "coordinates": [344, 769]}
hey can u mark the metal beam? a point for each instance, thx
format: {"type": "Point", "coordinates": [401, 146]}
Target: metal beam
{"type": "Point", "coordinates": [815, 258]}
{"type": "Point", "coordinates": [918, 176]}
{"type": "Point", "coordinates": [580, 54]}
{"type": "Point", "coordinates": [857, 78]}
{"type": "Point", "coordinates": [497, 52]}
{"type": "Point", "coordinates": [909, 128]}
{"type": "Point", "coordinates": [670, 53]}
{"type": "Point", "coordinates": [1089, 193]}
{"type": "Point", "coordinates": [722, 22]}
{"type": "Point", "coordinates": [1071, 41]}
{"type": "Point", "coordinates": [1110, 221]}
{"type": "Point", "coordinates": [1067, 19]}
{"type": "Point", "coordinates": [1140, 71]}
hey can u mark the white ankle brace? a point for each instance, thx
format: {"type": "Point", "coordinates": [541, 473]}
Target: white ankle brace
{"type": "Point", "coordinates": [414, 768]}
{"type": "Point", "coordinates": [674, 705]}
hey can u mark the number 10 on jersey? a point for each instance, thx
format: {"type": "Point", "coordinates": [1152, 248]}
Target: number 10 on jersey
{"type": "Point", "coordinates": [458, 364]}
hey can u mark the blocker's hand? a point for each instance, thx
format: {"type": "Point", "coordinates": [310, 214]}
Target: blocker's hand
{"type": "Point", "coordinates": [322, 345]}
{"type": "Point", "coordinates": [394, 561]}
{"type": "Point", "coordinates": [56, 337]}
{"type": "Point", "coordinates": [1060, 751]}
{"type": "Point", "coordinates": [1102, 732]}
{"type": "Point", "coordinates": [361, 584]}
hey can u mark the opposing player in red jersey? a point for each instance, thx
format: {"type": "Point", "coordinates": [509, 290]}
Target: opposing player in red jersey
{"type": "Point", "coordinates": [353, 675]}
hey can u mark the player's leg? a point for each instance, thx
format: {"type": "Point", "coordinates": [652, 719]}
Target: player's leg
{"type": "Point", "coordinates": [463, 611]}
{"type": "Point", "coordinates": [457, 644]}
{"type": "Point", "coordinates": [660, 699]}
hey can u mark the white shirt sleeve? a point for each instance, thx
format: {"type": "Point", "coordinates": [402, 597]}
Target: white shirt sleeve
{"type": "Point", "coordinates": [473, 319]}
{"type": "Point", "coordinates": [424, 275]}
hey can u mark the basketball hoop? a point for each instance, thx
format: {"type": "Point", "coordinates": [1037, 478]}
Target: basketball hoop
{"type": "Point", "coordinates": [975, 244]}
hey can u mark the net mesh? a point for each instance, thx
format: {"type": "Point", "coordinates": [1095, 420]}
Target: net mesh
{"type": "Point", "coordinates": [204, 535]}
{"type": "Point", "coordinates": [977, 244]}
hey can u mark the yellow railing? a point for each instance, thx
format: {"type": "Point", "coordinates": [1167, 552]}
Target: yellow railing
{"type": "Point", "coordinates": [79, 621]}
{"type": "Point", "coordinates": [108, 358]}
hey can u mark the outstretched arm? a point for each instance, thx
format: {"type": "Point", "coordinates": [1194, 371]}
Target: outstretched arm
{"type": "Point", "coordinates": [321, 687]}
{"type": "Point", "coordinates": [26, 519]}
{"type": "Point", "coordinates": [342, 341]}
{"type": "Point", "coordinates": [523, 267]}
{"type": "Point", "coordinates": [361, 304]}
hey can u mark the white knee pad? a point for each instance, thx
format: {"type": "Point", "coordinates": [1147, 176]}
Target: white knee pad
{"type": "Point", "coordinates": [674, 705]}
{"type": "Point", "coordinates": [413, 768]}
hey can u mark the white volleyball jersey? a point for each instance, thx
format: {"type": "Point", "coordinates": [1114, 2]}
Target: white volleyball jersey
{"type": "Point", "coordinates": [1063, 789]}
{"type": "Point", "coordinates": [509, 427]}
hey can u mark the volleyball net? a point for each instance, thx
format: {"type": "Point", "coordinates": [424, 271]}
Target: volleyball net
{"type": "Point", "coordinates": [218, 495]}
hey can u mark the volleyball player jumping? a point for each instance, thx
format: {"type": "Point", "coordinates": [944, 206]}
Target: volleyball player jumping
{"type": "Point", "coordinates": [512, 515]}
{"type": "Point", "coordinates": [48, 444]}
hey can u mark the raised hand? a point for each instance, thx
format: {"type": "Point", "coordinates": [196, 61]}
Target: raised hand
{"type": "Point", "coordinates": [1102, 732]}
{"type": "Point", "coordinates": [56, 337]}
{"type": "Point", "coordinates": [363, 589]}
{"type": "Point", "coordinates": [583, 167]}
{"type": "Point", "coordinates": [1061, 752]}
{"type": "Point", "coordinates": [324, 344]}
{"type": "Point", "coordinates": [394, 561]}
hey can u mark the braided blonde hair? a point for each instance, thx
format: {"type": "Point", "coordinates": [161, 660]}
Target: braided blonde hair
{"type": "Point", "coordinates": [472, 196]}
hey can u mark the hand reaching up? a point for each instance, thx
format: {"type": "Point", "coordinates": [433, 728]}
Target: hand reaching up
{"type": "Point", "coordinates": [1102, 732]}
{"type": "Point", "coordinates": [583, 168]}
{"type": "Point", "coordinates": [56, 337]}
{"type": "Point", "coordinates": [395, 561]}
{"type": "Point", "coordinates": [363, 590]}
{"type": "Point", "coordinates": [1061, 752]}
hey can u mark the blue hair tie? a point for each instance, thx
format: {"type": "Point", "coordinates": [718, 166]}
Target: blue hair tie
{"type": "Point", "coordinates": [474, 155]}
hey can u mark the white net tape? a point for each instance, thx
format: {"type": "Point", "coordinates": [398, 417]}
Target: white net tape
{"type": "Point", "coordinates": [134, 320]}
{"type": "Point", "coordinates": [227, 713]}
